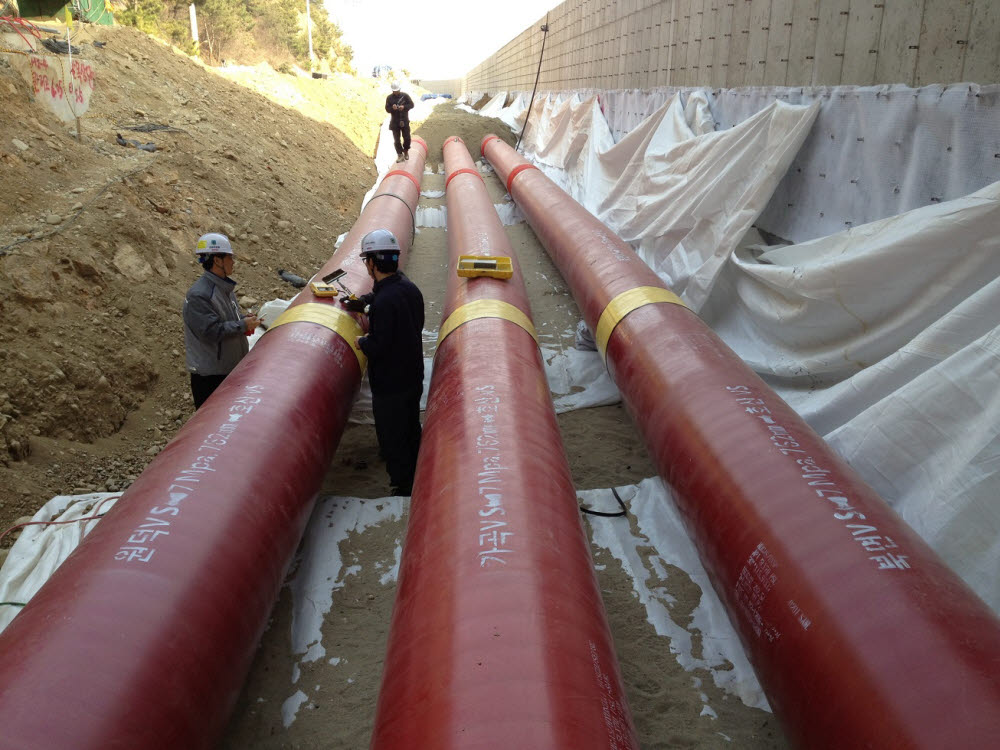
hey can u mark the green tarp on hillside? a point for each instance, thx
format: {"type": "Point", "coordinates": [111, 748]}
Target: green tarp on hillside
{"type": "Point", "coordinates": [93, 11]}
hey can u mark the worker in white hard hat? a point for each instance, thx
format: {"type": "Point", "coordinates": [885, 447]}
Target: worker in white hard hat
{"type": "Point", "coordinates": [394, 347]}
{"type": "Point", "coordinates": [398, 104]}
{"type": "Point", "coordinates": [215, 330]}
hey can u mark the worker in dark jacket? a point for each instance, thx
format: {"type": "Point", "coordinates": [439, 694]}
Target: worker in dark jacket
{"type": "Point", "coordinates": [394, 347]}
{"type": "Point", "coordinates": [215, 331]}
{"type": "Point", "coordinates": [398, 105]}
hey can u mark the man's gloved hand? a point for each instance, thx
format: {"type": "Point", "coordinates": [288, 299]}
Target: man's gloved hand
{"type": "Point", "coordinates": [354, 305]}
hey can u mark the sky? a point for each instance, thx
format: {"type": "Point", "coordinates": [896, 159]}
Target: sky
{"type": "Point", "coordinates": [436, 39]}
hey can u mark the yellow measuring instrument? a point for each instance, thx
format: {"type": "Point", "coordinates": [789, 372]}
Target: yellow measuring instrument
{"type": "Point", "coordinates": [495, 266]}
{"type": "Point", "coordinates": [331, 286]}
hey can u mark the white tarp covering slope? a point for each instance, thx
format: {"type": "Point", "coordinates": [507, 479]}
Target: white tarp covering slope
{"type": "Point", "coordinates": [493, 106]}
{"type": "Point", "coordinates": [885, 337]}
{"type": "Point", "coordinates": [683, 194]}
{"type": "Point", "coordinates": [43, 546]}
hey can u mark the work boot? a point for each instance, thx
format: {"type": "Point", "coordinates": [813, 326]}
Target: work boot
{"type": "Point", "coordinates": [399, 158]}
{"type": "Point", "coordinates": [406, 155]}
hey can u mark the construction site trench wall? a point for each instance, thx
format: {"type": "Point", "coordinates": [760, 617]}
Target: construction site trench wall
{"type": "Point", "coordinates": [643, 44]}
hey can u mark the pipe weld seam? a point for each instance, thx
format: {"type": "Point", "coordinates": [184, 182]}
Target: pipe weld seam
{"type": "Point", "coordinates": [487, 139]}
{"type": "Point", "coordinates": [413, 215]}
{"type": "Point", "coordinates": [516, 171]}
{"type": "Point", "coordinates": [623, 304]}
{"type": "Point", "coordinates": [486, 308]}
{"type": "Point", "coordinates": [330, 317]}
{"type": "Point", "coordinates": [457, 172]}
{"type": "Point", "coordinates": [404, 173]}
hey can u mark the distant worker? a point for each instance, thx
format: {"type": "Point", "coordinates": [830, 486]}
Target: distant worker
{"type": "Point", "coordinates": [394, 347]}
{"type": "Point", "coordinates": [398, 105]}
{"type": "Point", "coordinates": [215, 331]}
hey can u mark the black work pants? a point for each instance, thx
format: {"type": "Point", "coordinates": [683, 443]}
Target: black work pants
{"type": "Point", "coordinates": [405, 131]}
{"type": "Point", "coordinates": [397, 427]}
{"type": "Point", "coordinates": [203, 386]}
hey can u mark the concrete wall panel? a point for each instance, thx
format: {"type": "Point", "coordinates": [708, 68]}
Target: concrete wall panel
{"type": "Point", "coordinates": [944, 36]}
{"type": "Point", "coordinates": [831, 36]}
{"type": "Point", "coordinates": [982, 57]}
{"type": "Point", "coordinates": [864, 25]}
{"type": "Point", "coordinates": [738, 44]}
{"type": "Point", "coordinates": [758, 41]}
{"type": "Point", "coordinates": [723, 38]}
{"type": "Point", "coordinates": [642, 44]}
{"type": "Point", "coordinates": [778, 41]}
{"type": "Point", "coordinates": [899, 39]}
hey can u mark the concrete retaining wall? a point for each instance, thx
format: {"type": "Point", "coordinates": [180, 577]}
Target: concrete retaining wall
{"type": "Point", "coordinates": [642, 44]}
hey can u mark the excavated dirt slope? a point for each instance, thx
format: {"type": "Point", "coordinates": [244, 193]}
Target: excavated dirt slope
{"type": "Point", "coordinates": [92, 378]}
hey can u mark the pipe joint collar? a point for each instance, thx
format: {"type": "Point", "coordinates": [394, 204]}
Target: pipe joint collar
{"type": "Point", "coordinates": [331, 317]}
{"type": "Point", "coordinates": [625, 303]}
{"type": "Point", "coordinates": [486, 308]}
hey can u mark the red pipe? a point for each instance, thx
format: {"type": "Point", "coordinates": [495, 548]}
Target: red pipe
{"type": "Point", "coordinates": [143, 637]}
{"type": "Point", "coordinates": [498, 635]}
{"type": "Point", "coordinates": [861, 636]}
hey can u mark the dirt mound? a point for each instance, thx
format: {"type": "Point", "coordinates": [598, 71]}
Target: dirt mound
{"type": "Point", "coordinates": [446, 121]}
{"type": "Point", "coordinates": [97, 240]}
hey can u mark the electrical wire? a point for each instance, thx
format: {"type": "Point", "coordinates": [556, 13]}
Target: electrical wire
{"type": "Point", "coordinates": [56, 523]}
{"type": "Point", "coordinates": [545, 34]}
{"type": "Point", "coordinates": [619, 514]}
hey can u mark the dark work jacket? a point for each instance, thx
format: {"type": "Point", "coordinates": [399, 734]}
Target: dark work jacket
{"type": "Point", "coordinates": [400, 117]}
{"type": "Point", "coordinates": [394, 342]}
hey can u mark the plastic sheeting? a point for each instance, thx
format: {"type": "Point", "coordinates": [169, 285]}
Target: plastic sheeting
{"type": "Point", "coordinates": [874, 151]}
{"type": "Point", "coordinates": [40, 549]}
{"type": "Point", "coordinates": [885, 337]}
{"type": "Point", "coordinates": [681, 193]}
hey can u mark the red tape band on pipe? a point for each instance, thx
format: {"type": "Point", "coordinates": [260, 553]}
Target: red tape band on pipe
{"type": "Point", "coordinates": [516, 171]}
{"type": "Point", "coordinates": [413, 179]}
{"type": "Point", "coordinates": [453, 138]}
{"type": "Point", "coordinates": [418, 139]}
{"type": "Point", "coordinates": [487, 139]}
{"type": "Point", "coordinates": [460, 171]}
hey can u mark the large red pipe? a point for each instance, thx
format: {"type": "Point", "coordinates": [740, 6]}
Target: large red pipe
{"type": "Point", "coordinates": [860, 634]}
{"type": "Point", "coordinates": [143, 637]}
{"type": "Point", "coordinates": [498, 635]}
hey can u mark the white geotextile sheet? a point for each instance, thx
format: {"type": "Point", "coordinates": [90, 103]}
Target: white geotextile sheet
{"type": "Point", "coordinates": [40, 549]}
{"type": "Point", "coordinates": [320, 570]}
{"type": "Point", "coordinates": [681, 193]}
{"type": "Point", "coordinates": [874, 151]}
{"type": "Point", "coordinates": [493, 106]}
{"type": "Point", "coordinates": [884, 337]}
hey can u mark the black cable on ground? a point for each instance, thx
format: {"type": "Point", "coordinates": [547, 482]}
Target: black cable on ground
{"type": "Point", "coordinates": [545, 34]}
{"type": "Point", "coordinates": [619, 514]}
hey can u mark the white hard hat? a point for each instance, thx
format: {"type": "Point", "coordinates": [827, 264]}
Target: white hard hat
{"type": "Point", "coordinates": [213, 244]}
{"type": "Point", "coordinates": [394, 86]}
{"type": "Point", "coordinates": [380, 243]}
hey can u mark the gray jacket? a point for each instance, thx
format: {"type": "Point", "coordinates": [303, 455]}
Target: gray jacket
{"type": "Point", "coordinates": [214, 331]}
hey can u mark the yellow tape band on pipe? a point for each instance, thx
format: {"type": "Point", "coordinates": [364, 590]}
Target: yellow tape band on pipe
{"type": "Point", "coordinates": [339, 321]}
{"type": "Point", "coordinates": [625, 303]}
{"type": "Point", "coordinates": [486, 308]}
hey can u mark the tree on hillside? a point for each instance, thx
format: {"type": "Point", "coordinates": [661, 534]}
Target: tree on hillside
{"type": "Point", "coordinates": [244, 30]}
{"type": "Point", "coordinates": [222, 22]}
